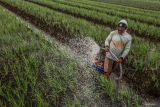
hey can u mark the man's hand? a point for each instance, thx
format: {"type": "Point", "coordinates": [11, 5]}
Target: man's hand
{"type": "Point", "coordinates": [106, 49]}
{"type": "Point", "coordinates": [120, 61]}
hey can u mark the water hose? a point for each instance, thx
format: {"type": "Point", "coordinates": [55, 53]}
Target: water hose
{"type": "Point", "coordinates": [120, 66]}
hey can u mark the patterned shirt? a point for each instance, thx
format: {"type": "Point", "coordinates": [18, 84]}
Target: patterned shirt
{"type": "Point", "coordinates": [118, 44]}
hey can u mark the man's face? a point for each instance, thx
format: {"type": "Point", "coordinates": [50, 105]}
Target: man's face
{"type": "Point", "coordinates": [121, 28]}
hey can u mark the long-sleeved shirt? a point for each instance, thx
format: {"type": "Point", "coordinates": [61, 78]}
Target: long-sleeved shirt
{"type": "Point", "coordinates": [118, 44]}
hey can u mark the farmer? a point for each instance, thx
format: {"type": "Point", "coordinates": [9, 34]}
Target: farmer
{"type": "Point", "coordinates": [118, 42]}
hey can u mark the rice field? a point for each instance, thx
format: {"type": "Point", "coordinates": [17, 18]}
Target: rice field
{"type": "Point", "coordinates": [36, 72]}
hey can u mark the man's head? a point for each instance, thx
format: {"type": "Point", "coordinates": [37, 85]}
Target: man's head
{"type": "Point", "coordinates": [122, 26]}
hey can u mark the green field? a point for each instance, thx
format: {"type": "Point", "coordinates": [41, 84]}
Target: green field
{"type": "Point", "coordinates": [36, 72]}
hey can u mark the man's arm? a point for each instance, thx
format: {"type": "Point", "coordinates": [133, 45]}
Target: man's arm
{"type": "Point", "coordinates": [108, 39]}
{"type": "Point", "coordinates": [126, 49]}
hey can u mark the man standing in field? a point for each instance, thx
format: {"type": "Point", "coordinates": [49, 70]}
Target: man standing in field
{"type": "Point", "coordinates": [118, 42]}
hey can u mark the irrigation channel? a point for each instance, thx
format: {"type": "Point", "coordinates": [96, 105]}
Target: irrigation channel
{"type": "Point", "coordinates": [84, 51]}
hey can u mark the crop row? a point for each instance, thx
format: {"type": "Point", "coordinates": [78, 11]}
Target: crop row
{"type": "Point", "coordinates": [116, 11]}
{"type": "Point", "coordinates": [136, 3]}
{"type": "Point", "coordinates": [140, 29]}
{"type": "Point", "coordinates": [115, 7]}
{"type": "Point", "coordinates": [32, 72]}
